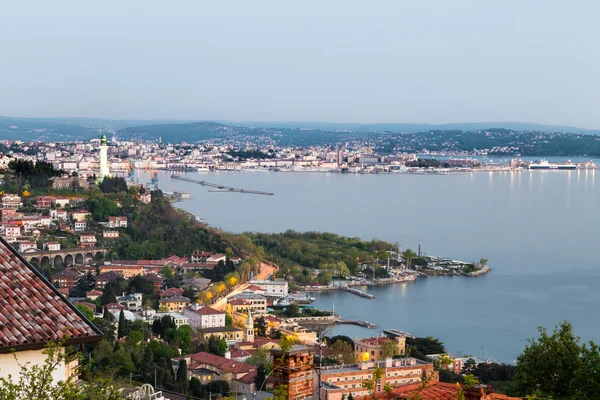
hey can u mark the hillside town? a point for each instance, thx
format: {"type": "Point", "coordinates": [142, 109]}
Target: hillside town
{"type": "Point", "coordinates": [124, 158]}
{"type": "Point", "coordinates": [223, 322]}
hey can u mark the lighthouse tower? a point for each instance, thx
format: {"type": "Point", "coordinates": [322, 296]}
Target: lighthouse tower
{"type": "Point", "coordinates": [104, 172]}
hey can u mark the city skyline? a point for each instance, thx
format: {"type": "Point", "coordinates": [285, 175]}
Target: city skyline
{"type": "Point", "coordinates": [429, 62]}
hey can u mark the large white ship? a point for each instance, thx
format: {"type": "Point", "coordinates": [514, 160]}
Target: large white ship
{"type": "Point", "coordinates": [544, 164]}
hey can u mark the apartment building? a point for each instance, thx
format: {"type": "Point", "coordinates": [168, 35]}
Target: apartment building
{"type": "Point", "coordinates": [339, 381]}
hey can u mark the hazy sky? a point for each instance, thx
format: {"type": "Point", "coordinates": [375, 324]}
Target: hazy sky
{"type": "Point", "coordinates": [322, 60]}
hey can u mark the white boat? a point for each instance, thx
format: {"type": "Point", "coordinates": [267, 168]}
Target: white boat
{"type": "Point", "coordinates": [202, 169]}
{"type": "Point", "coordinates": [546, 165]}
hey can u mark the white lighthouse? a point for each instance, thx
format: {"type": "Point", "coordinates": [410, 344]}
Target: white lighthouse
{"type": "Point", "coordinates": [104, 172]}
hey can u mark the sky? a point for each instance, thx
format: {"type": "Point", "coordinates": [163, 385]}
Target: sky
{"type": "Point", "coordinates": [303, 60]}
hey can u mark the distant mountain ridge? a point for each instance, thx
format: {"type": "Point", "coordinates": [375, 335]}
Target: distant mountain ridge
{"type": "Point", "coordinates": [286, 133]}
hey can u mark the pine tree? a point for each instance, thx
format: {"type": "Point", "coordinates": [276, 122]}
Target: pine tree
{"type": "Point", "coordinates": [181, 380]}
{"type": "Point", "coordinates": [107, 315]}
{"type": "Point", "coordinates": [121, 328]}
{"type": "Point", "coordinates": [261, 375]}
{"type": "Point", "coordinates": [147, 366]}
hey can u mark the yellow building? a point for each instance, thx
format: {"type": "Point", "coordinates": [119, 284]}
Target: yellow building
{"type": "Point", "coordinates": [173, 304]}
{"type": "Point", "coordinates": [128, 271]}
{"type": "Point", "coordinates": [374, 348]}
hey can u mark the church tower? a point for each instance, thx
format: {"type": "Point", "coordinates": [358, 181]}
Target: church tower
{"type": "Point", "coordinates": [104, 172]}
{"type": "Point", "coordinates": [249, 328]}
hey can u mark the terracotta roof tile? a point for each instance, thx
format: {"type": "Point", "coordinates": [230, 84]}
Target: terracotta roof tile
{"type": "Point", "coordinates": [32, 311]}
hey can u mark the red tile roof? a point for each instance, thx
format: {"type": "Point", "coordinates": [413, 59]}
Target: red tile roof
{"type": "Point", "coordinates": [205, 311]}
{"type": "Point", "coordinates": [435, 391]}
{"type": "Point", "coordinates": [222, 363]}
{"type": "Point", "coordinates": [32, 311]}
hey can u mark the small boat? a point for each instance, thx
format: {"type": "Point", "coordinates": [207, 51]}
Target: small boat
{"type": "Point", "coordinates": [202, 169]}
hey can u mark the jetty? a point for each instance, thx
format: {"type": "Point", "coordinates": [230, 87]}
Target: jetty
{"type": "Point", "coordinates": [221, 188]}
{"type": "Point", "coordinates": [364, 324]}
{"type": "Point", "coordinates": [397, 333]}
{"type": "Point", "coordinates": [357, 292]}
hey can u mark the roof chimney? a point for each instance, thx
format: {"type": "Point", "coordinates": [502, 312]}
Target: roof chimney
{"type": "Point", "coordinates": [478, 392]}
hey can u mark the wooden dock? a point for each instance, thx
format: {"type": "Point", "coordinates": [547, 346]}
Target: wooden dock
{"type": "Point", "coordinates": [221, 188]}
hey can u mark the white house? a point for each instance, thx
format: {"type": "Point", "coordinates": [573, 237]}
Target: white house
{"type": "Point", "coordinates": [276, 288]}
{"type": "Point", "coordinates": [13, 231]}
{"type": "Point", "coordinates": [80, 215]}
{"type": "Point", "coordinates": [117, 222]}
{"type": "Point", "coordinates": [24, 246]}
{"type": "Point", "coordinates": [215, 258]}
{"type": "Point", "coordinates": [58, 214]}
{"type": "Point", "coordinates": [32, 314]}
{"type": "Point", "coordinates": [80, 226]}
{"type": "Point", "coordinates": [204, 317]}
{"type": "Point", "coordinates": [53, 246]}
{"type": "Point", "coordinates": [87, 240]}
{"type": "Point", "coordinates": [110, 234]}
{"type": "Point", "coordinates": [60, 202]}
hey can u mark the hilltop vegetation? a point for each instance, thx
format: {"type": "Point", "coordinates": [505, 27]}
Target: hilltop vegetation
{"type": "Point", "coordinates": [316, 249]}
{"type": "Point", "coordinates": [160, 231]}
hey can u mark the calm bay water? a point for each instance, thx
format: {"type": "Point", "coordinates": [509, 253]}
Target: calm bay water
{"type": "Point", "coordinates": [538, 229]}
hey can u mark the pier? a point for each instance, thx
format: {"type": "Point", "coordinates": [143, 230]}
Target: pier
{"type": "Point", "coordinates": [364, 324]}
{"type": "Point", "coordinates": [397, 333]}
{"type": "Point", "coordinates": [221, 188]}
{"type": "Point", "coordinates": [356, 292]}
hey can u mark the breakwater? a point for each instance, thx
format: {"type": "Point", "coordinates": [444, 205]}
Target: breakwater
{"type": "Point", "coordinates": [221, 188]}
{"type": "Point", "coordinates": [356, 292]}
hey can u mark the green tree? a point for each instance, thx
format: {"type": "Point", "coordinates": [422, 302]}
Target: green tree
{"type": "Point", "coordinates": [549, 364]}
{"type": "Point", "coordinates": [261, 356]}
{"type": "Point", "coordinates": [408, 255]}
{"type": "Point", "coordinates": [113, 184]}
{"type": "Point", "coordinates": [181, 380]}
{"type": "Point", "coordinates": [108, 315]}
{"type": "Point", "coordinates": [260, 377]}
{"type": "Point", "coordinates": [469, 366]}
{"type": "Point", "coordinates": [106, 327]}
{"type": "Point", "coordinates": [483, 262]}
{"type": "Point", "coordinates": [122, 327]}
{"type": "Point", "coordinates": [341, 351]}
{"type": "Point", "coordinates": [183, 338]}
{"type": "Point", "coordinates": [445, 361]}
{"type": "Point", "coordinates": [217, 346]}
{"type": "Point", "coordinates": [89, 314]}
{"type": "Point", "coordinates": [35, 381]}
{"type": "Point", "coordinates": [261, 326]}
{"type": "Point", "coordinates": [371, 384]}
{"type": "Point", "coordinates": [390, 348]}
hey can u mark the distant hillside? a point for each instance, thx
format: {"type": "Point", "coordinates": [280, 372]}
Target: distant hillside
{"type": "Point", "coordinates": [414, 128]}
{"type": "Point", "coordinates": [193, 132]}
{"type": "Point", "coordinates": [47, 131]}
{"type": "Point", "coordinates": [284, 133]}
